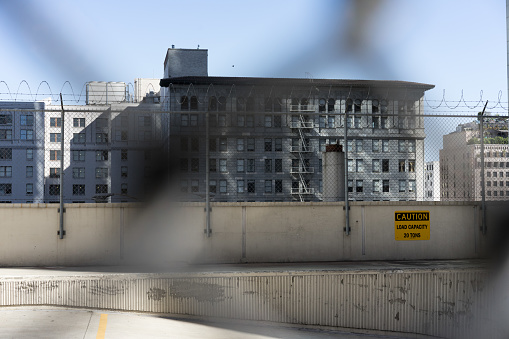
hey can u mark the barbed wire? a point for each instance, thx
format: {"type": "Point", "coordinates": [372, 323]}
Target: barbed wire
{"type": "Point", "coordinates": [44, 91]}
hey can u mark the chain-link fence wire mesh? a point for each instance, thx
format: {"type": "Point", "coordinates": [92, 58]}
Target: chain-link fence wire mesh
{"type": "Point", "coordinates": [120, 152]}
{"type": "Point", "coordinates": [280, 156]}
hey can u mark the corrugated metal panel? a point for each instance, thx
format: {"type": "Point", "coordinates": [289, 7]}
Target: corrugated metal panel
{"type": "Point", "coordinates": [440, 303]}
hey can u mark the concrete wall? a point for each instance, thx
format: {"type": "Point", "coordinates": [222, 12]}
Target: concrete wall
{"type": "Point", "coordinates": [113, 234]}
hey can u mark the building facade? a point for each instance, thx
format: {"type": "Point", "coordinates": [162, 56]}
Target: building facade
{"type": "Point", "coordinates": [460, 165]}
{"type": "Point", "coordinates": [109, 151]}
{"type": "Point", "coordinates": [261, 139]}
{"type": "Point", "coordinates": [432, 181]}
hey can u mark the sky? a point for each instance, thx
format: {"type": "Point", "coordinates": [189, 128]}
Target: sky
{"type": "Point", "coordinates": [458, 46]}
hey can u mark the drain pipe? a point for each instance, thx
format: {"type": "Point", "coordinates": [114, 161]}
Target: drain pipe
{"type": "Point", "coordinates": [347, 207]}
{"type": "Point", "coordinates": [61, 210]}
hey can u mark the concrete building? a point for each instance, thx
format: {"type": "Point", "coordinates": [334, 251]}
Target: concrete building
{"type": "Point", "coordinates": [432, 181]}
{"type": "Point", "coordinates": [266, 135]}
{"type": "Point", "coordinates": [460, 164]}
{"type": "Point", "coordinates": [109, 150]}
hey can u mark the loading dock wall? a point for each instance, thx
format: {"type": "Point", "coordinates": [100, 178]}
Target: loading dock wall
{"type": "Point", "coordinates": [112, 234]}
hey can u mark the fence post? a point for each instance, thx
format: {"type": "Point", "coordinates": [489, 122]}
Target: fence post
{"type": "Point", "coordinates": [347, 207]}
{"type": "Point", "coordinates": [483, 191]}
{"type": "Point", "coordinates": [61, 229]}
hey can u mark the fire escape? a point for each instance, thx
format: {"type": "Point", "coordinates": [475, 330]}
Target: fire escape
{"type": "Point", "coordinates": [301, 169]}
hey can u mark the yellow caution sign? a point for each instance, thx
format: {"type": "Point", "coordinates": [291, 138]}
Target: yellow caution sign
{"type": "Point", "coordinates": [411, 225]}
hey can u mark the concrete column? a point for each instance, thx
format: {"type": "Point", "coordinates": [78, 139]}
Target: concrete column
{"type": "Point", "coordinates": [333, 173]}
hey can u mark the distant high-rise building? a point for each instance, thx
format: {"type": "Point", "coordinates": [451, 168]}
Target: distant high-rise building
{"type": "Point", "coordinates": [460, 163]}
{"type": "Point", "coordinates": [432, 181]}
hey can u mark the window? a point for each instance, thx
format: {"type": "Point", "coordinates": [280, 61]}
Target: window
{"type": "Point", "coordinates": [268, 121]}
{"type": "Point", "coordinates": [101, 189]}
{"type": "Point", "coordinates": [101, 172]}
{"type": "Point", "coordinates": [5, 119]}
{"type": "Point", "coordinates": [385, 165]}
{"type": "Point", "coordinates": [195, 165]}
{"type": "Point", "coordinates": [195, 186]}
{"type": "Point", "coordinates": [55, 137]}
{"type": "Point", "coordinates": [350, 165]}
{"type": "Point", "coordinates": [241, 120]}
{"type": "Point", "coordinates": [101, 138]}
{"type": "Point", "coordinates": [123, 171]}
{"type": "Point", "coordinates": [195, 144]}
{"type": "Point", "coordinates": [240, 165]}
{"type": "Point", "coordinates": [357, 106]}
{"type": "Point", "coordinates": [359, 165]}
{"type": "Point", "coordinates": [26, 134]}
{"type": "Point", "coordinates": [358, 145]}
{"type": "Point", "coordinates": [54, 172]}
{"type": "Point", "coordinates": [375, 165]}
{"type": "Point", "coordinates": [240, 145]}
{"type": "Point", "coordinates": [78, 155]}
{"type": "Point", "coordinates": [350, 186]}
{"type": "Point", "coordinates": [123, 188]}
{"type": "Point", "coordinates": [402, 186]}
{"type": "Point", "coordinates": [385, 146]}
{"type": "Point", "coordinates": [401, 166]}
{"type": "Point", "coordinates": [240, 186]}
{"type": "Point", "coordinates": [183, 186]}
{"type": "Point", "coordinates": [78, 172]}
{"type": "Point", "coordinates": [250, 165]}
{"type": "Point", "coordinates": [78, 189]}
{"type": "Point", "coordinates": [250, 186]}
{"type": "Point", "coordinates": [278, 186]}
{"type": "Point", "coordinates": [221, 120]}
{"type": "Point", "coordinates": [54, 189]}
{"type": "Point", "coordinates": [249, 120]}
{"type": "Point", "coordinates": [250, 144]}
{"type": "Point", "coordinates": [30, 153]}
{"type": "Point", "coordinates": [194, 103]}
{"type": "Point", "coordinates": [5, 134]}
{"type": "Point", "coordinates": [222, 165]}
{"type": "Point", "coordinates": [411, 146]}
{"type": "Point", "coordinates": [5, 153]}
{"type": "Point", "coordinates": [402, 146]}
{"type": "Point", "coordinates": [357, 122]}
{"type": "Point", "coordinates": [184, 120]}
{"type": "Point", "coordinates": [385, 186]}
{"type": "Point", "coordinates": [223, 145]}
{"type": "Point", "coordinates": [5, 171]}
{"type": "Point", "coordinates": [27, 120]}
{"type": "Point", "coordinates": [411, 186]}
{"type": "Point", "coordinates": [55, 122]}
{"type": "Point", "coordinates": [212, 165]}
{"type": "Point", "coordinates": [359, 186]}
{"type": "Point", "coordinates": [212, 145]}
{"type": "Point", "coordinates": [29, 171]}
{"type": "Point", "coordinates": [78, 138]}
{"type": "Point", "coordinates": [101, 155]}
{"type": "Point", "coordinates": [268, 165]}
{"type": "Point", "coordinates": [411, 165]}
{"type": "Point", "coordinates": [123, 154]}
{"type": "Point", "coordinates": [212, 186]}
{"type": "Point", "coordinates": [184, 103]}
{"type": "Point", "coordinates": [184, 165]}
{"type": "Point", "coordinates": [277, 121]}
{"type": "Point", "coordinates": [268, 145]}
{"type": "Point", "coordinates": [278, 145]}
{"type": "Point", "coordinates": [55, 155]}
{"type": "Point", "coordinates": [5, 189]}
{"type": "Point", "coordinates": [268, 186]}
{"type": "Point", "coordinates": [376, 186]}
{"type": "Point", "coordinates": [79, 122]}
{"type": "Point", "coordinates": [29, 189]}
{"type": "Point", "coordinates": [222, 186]}
{"type": "Point", "coordinates": [376, 123]}
{"type": "Point", "coordinates": [278, 165]}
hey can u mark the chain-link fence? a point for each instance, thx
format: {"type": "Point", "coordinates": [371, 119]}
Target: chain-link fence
{"type": "Point", "coordinates": [121, 152]}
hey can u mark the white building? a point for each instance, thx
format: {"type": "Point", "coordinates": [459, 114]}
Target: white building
{"type": "Point", "coordinates": [432, 181]}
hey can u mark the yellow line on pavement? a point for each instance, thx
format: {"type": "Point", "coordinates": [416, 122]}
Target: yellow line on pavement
{"type": "Point", "coordinates": [102, 326]}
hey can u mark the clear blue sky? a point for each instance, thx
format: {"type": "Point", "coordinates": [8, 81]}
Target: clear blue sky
{"type": "Point", "coordinates": [455, 45]}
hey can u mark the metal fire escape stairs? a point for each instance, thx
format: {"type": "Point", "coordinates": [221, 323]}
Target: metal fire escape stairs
{"type": "Point", "coordinates": [303, 169]}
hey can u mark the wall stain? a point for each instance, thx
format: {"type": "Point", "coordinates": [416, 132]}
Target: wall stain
{"type": "Point", "coordinates": [108, 290]}
{"type": "Point", "coordinates": [156, 294]}
{"type": "Point", "coordinates": [199, 291]}
{"type": "Point", "coordinates": [397, 300]}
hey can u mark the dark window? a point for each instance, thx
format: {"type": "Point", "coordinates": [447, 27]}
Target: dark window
{"type": "Point", "coordinates": [194, 103]}
{"type": "Point", "coordinates": [5, 153]}
{"type": "Point", "coordinates": [278, 186]}
{"type": "Point", "coordinates": [54, 189]}
{"type": "Point", "coordinates": [78, 189]}
{"type": "Point", "coordinates": [212, 104]}
{"type": "Point", "coordinates": [268, 145]}
{"type": "Point", "coordinates": [385, 165]}
{"type": "Point", "coordinates": [278, 165]}
{"type": "Point", "coordinates": [195, 165]}
{"type": "Point", "coordinates": [268, 165]}
{"type": "Point", "coordinates": [184, 103]}
{"type": "Point", "coordinates": [101, 189]}
{"type": "Point", "coordinates": [250, 186]}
